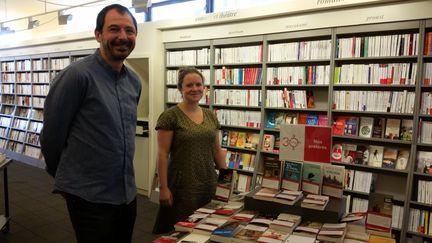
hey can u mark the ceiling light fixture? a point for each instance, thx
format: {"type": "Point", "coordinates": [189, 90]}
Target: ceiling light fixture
{"type": "Point", "coordinates": [63, 18]}
{"type": "Point", "coordinates": [32, 23]}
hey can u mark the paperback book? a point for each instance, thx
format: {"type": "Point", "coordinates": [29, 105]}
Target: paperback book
{"type": "Point", "coordinates": [292, 175]}
{"type": "Point", "coordinates": [333, 180]}
{"type": "Point", "coordinates": [272, 173]}
{"type": "Point", "coordinates": [288, 197]}
{"type": "Point", "coordinates": [316, 202]}
{"type": "Point", "coordinates": [375, 155]}
{"type": "Point", "coordinates": [312, 178]}
{"type": "Point", "coordinates": [366, 126]}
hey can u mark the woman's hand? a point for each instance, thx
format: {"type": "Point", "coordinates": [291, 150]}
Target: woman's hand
{"type": "Point", "coordinates": [165, 197]}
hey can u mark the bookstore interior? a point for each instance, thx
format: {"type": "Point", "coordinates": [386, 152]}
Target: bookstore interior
{"type": "Point", "coordinates": [325, 109]}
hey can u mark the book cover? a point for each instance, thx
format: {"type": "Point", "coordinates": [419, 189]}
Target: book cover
{"type": "Point", "coordinates": [351, 126]}
{"type": "Point", "coordinates": [266, 194]}
{"type": "Point", "coordinates": [317, 144]}
{"type": "Point", "coordinates": [406, 130]}
{"type": "Point", "coordinates": [252, 140]}
{"type": "Point", "coordinates": [225, 138]}
{"type": "Point", "coordinates": [271, 173]}
{"type": "Point", "coordinates": [349, 153]}
{"type": "Point", "coordinates": [171, 238]}
{"type": "Point", "coordinates": [336, 154]}
{"type": "Point", "coordinates": [291, 176]}
{"type": "Point", "coordinates": [291, 118]}
{"type": "Point", "coordinates": [292, 142]}
{"type": "Point", "coordinates": [424, 162]}
{"type": "Point", "coordinates": [279, 119]}
{"type": "Point", "coordinates": [272, 236]}
{"type": "Point", "coordinates": [338, 127]}
{"type": "Point", "coordinates": [268, 142]}
{"type": "Point", "coordinates": [241, 140]}
{"type": "Point", "coordinates": [224, 184]}
{"type": "Point", "coordinates": [366, 125]}
{"type": "Point", "coordinates": [225, 232]}
{"type": "Point", "coordinates": [316, 202]}
{"type": "Point", "coordinates": [333, 180]}
{"type": "Point", "coordinates": [392, 128]}
{"type": "Point", "coordinates": [375, 155]}
{"type": "Point", "coordinates": [250, 233]}
{"type": "Point", "coordinates": [312, 120]}
{"type": "Point", "coordinates": [233, 135]}
{"type": "Point", "coordinates": [312, 178]}
{"type": "Point", "coordinates": [299, 239]}
{"type": "Point", "coordinates": [389, 158]}
{"type": "Point", "coordinates": [362, 155]}
{"type": "Point", "coordinates": [288, 197]}
{"type": "Point", "coordinates": [378, 127]}
{"type": "Point", "coordinates": [322, 120]}
{"type": "Point", "coordinates": [270, 122]}
{"type": "Point", "coordinates": [379, 215]}
{"type": "Point", "coordinates": [196, 238]}
{"type": "Point", "coordinates": [302, 118]}
{"type": "Point", "coordinates": [402, 159]}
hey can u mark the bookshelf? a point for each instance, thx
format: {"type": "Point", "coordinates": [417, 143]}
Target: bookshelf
{"type": "Point", "coordinates": [25, 82]}
{"type": "Point", "coordinates": [318, 76]}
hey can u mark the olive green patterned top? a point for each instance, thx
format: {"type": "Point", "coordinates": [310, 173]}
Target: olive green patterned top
{"type": "Point", "coordinates": [191, 168]}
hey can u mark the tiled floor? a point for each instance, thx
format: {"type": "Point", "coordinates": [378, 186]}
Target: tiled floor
{"type": "Point", "coordinates": [38, 216]}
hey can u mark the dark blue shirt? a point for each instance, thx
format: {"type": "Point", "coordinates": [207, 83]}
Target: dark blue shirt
{"type": "Point", "coordinates": [88, 138]}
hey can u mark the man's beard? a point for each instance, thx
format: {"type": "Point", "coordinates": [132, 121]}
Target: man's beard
{"type": "Point", "coordinates": [116, 55]}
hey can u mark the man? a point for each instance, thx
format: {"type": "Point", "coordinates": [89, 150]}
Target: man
{"type": "Point", "coordinates": [88, 139]}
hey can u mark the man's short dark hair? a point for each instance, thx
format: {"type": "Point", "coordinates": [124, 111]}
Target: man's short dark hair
{"type": "Point", "coordinates": [100, 20]}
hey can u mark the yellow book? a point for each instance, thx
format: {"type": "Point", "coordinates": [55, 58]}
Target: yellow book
{"type": "Point", "coordinates": [241, 140]}
{"type": "Point", "coordinates": [380, 239]}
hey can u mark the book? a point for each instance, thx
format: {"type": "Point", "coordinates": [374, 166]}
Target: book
{"type": "Point", "coordinates": [250, 233]}
{"type": "Point", "coordinates": [279, 119]}
{"type": "Point", "coordinates": [288, 197]}
{"type": "Point", "coordinates": [381, 239]}
{"type": "Point", "coordinates": [268, 142]}
{"type": "Point", "coordinates": [208, 225]}
{"type": "Point", "coordinates": [245, 215]}
{"type": "Point", "coordinates": [224, 186]}
{"type": "Point", "coordinates": [349, 153]}
{"type": "Point", "coordinates": [228, 210]}
{"type": "Point", "coordinates": [308, 229]}
{"type": "Point", "coordinates": [392, 128]}
{"type": "Point", "coordinates": [272, 236]}
{"type": "Point", "coordinates": [173, 237]}
{"type": "Point", "coordinates": [190, 222]}
{"type": "Point", "coordinates": [316, 202]}
{"type": "Point", "coordinates": [351, 126]}
{"type": "Point", "coordinates": [311, 178]}
{"type": "Point", "coordinates": [365, 127]}
{"type": "Point", "coordinates": [338, 127]}
{"type": "Point", "coordinates": [270, 122]}
{"type": "Point", "coordinates": [252, 140]}
{"type": "Point", "coordinates": [266, 194]}
{"type": "Point", "coordinates": [241, 140]}
{"type": "Point", "coordinates": [300, 239]}
{"type": "Point", "coordinates": [225, 232]}
{"type": "Point", "coordinates": [271, 173]}
{"type": "Point", "coordinates": [402, 159]}
{"type": "Point", "coordinates": [378, 127]}
{"type": "Point", "coordinates": [389, 158]}
{"type": "Point", "coordinates": [233, 136]}
{"type": "Point", "coordinates": [336, 153]}
{"type": "Point", "coordinates": [406, 132]}
{"type": "Point", "coordinates": [225, 138]}
{"type": "Point", "coordinates": [196, 238]}
{"type": "Point", "coordinates": [332, 232]}
{"type": "Point", "coordinates": [362, 155]}
{"type": "Point", "coordinates": [333, 180]}
{"type": "Point", "coordinates": [379, 214]}
{"type": "Point", "coordinates": [285, 222]}
{"type": "Point", "coordinates": [292, 175]}
{"type": "Point", "coordinates": [424, 162]}
{"type": "Point", "coordinates": [375, 155]}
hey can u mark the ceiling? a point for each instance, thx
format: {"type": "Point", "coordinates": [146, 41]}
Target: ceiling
{"type": "Point", "coordinates": [15, 9]}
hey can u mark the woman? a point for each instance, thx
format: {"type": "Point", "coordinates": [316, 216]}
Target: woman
{"type": "Point", "coordinates": [188, 150]}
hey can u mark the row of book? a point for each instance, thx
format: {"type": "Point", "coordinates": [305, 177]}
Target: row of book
{"type": "Point", "coordinates": [275, 119]}
{"type": "Point", "coordinates": [360, 181]}
{"type": "Point", "coordinates": [378, 46]}
{"type": "Point", "coordinates": [376, 74]}
{"type": "Point", "coordinates": [298, 75]}
{"type": "Point", "coordinates": [427, 74]}
{"type": "Point", "coordinates": [172, 76]}
{"type": "Point", "coordinates": [242, 118]}
{"type": "Point", "coordinates": [314, 178]}
{"type": "Point", "coordinates": [298, 99]}
{"type": "Point", "coordinates": [425, 135]}
{"type": "Point", "coordinates": [301, 50]}
{"type": "Point", "coordinates": [370, 127]}
{"type": "Point", "coordinates": [232, 184]}
{"type": "Point", "coordinates": [240, 161]}
{"type": "Point", "coordinates": [371, 155]}
{"type": "Point", "coordinates": [424, 191]}
{"type": "Point", "coordinates": [245, 54]}
{"type": "Point", "coordinates": [238, 76]}
{"type": "Point", "coordinates": [420, 221]}
{"type": "Point", "coordinates": [375, 101]}
{"type": "Point", "coordinates": [188, 57]}
{"type": "Point", "coordinates": [238, 97]}
{"type": "Point", "coordinates": [426, 103]}
{"type": "Point", "coordinates": [174, 95]}
{"type": "Point", "coordinates": [248, 140]}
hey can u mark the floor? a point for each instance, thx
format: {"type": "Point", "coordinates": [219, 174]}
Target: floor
{"type": "Point", "coordinates": [38, 216]}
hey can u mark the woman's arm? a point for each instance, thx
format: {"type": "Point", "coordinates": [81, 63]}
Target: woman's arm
{"type": "Point", "coordinates": [220, 154]}
{"type": "Point", "coordinates": [164, 138]}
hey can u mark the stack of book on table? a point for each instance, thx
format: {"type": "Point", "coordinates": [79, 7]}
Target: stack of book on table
{"type": "Point", "coordinates": [332, 232]}
{"type": "Point", "coordinates": [308, 229]}
{"type": "Point", "coordinates": [356, 227]}
{"type": "Point", "coordinates": [285, 222]}
{"type": "Point", "coordinates": [173, 237]}
{"type": "Point", "coordinates": [317, 202]}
